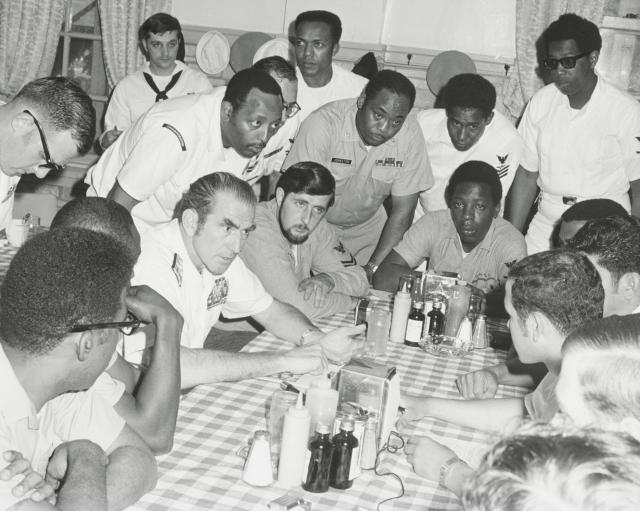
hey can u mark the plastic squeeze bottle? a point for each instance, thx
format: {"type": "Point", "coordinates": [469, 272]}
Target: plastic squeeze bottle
{"type": "Point", "coordinates": [295, 434]}
{"type": "Point", "coordinates": [401, 308]}
{"type": "Point", "coordinates": [322, 402]}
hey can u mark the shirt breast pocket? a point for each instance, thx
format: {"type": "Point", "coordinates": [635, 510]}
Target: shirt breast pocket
{"type": "Point", "coordinates": [603, 158]}
{"type": "Point", "coordinates": [383, 178]}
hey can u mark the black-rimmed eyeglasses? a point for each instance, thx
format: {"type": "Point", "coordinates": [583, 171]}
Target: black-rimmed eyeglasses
{"type": "Point", "coordinates": [50, 164]}
{"type": "Point", "coordinates": [566, 62]}
{"type": "Point", "coordinates": [127, 327]}
{"type": "Point", "coordinates": [291, 109]}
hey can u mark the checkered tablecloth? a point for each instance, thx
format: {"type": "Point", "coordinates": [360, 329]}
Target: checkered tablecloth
{"type": "Point", "coordinates": [203, 472]}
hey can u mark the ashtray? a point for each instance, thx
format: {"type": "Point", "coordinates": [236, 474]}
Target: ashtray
{"type": "Point", "coordinates": [445, 346]}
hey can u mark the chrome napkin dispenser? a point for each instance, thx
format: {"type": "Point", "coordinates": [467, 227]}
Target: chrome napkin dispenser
{"type": "Point", "coordinates": [373, 387]}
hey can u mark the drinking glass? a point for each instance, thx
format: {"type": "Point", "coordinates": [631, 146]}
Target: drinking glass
{"type": "Point", "coordinates": [280, 403]}
{"type": "Point", "coordinates": [377, 332]}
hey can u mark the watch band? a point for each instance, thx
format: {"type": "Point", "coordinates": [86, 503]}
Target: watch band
{"type": "Point", "coordinates": [372, 266]}
{"type": "Point", "coordinates": [306, 334]}
{"type": "Point", "coordinates": [446, 467]}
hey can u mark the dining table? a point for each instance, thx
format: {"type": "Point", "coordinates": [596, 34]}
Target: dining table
{"type": "Point", "coordinates": [215, 422]}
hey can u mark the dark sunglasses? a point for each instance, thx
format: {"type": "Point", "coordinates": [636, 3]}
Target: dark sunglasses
{"type": "Point", "coordinates": [567, 62]}
{"type": "Point", "coordinates": [127, 327]}
{"type": "Point", "coordinates": [50, 164]}
{"type": "Point", "coordinates": [291, 109]}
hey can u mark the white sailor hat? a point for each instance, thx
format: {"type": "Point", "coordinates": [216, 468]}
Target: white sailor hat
{"type": "Point", "coordinates": [212, 52]}
{"type": "Point", "coordinates": [276, 46]}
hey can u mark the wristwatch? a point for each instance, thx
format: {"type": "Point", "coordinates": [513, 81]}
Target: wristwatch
{"type": "Point", "coordinates": [372, 267]}
{"type": "Point", "coordinates": [307, 333]}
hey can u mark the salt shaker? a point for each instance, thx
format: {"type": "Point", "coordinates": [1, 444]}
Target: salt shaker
{"type": "Point", "coordinates": [257, 467]}
{"type": "Point", "coordinates": [480, 332]}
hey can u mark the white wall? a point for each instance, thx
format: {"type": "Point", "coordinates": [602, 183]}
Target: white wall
{"type": "Point", "coordinates": [480, 27]}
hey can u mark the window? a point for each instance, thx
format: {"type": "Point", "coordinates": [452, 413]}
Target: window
{"type": "Point", "coordinates": [620, 56]}
{"type": "Point", "coordinates": [79, 54]}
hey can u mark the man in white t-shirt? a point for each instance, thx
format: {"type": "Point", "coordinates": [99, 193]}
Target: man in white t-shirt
{"type": "Point", "coordinates": [581, 135]}
{"type": "Point", "coordinates": [192, 261]}
{"type": "Point", "coordinates": [467, 128]}
{"type": "Point", "coordinates": [51, 353]}
{"type": "Point", "coordinates": [164, 75]}
{"type": "Point", "coordinates": [179, 140]}
{"type": "Point", "coordinates": [49, 122]}
{"type": "Point", "coordinates": [316, 42]}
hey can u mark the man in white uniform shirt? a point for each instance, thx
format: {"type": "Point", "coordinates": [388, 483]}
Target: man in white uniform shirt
{"type": "Point", "coordinates": [164, 75]}
{"type": "Point", "coordinates": [316, 41]}
{"type": "Point", "coordinates": [192, 261]}
{"type": "Point", "coordinates": [49, 122]}
{"type": "Point", "coordinates": [467, 129]}
{"type": "Point", "coordinates": [581, 135]}
{"type": "Point", "coordinates": [51, 353]}
{"type": "Point", "coordinates": [177, 141]}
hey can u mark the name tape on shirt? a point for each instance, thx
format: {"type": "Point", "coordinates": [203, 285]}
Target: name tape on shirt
{"type": "Point", "coordinates": [389, 162]}
{"type": "Point", "coordinates": [218, 294]}
{"type": "Point", "coordinates": [344, 161]}
{"type": "Point", "coordinates": [177, 268]}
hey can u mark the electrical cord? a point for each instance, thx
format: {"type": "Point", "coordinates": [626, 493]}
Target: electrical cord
{"type": "Point", "coordinates": [392, 446]}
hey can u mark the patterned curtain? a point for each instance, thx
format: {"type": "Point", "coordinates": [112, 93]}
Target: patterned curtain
{"type": "Point", "coordinates": [532, 17]}
{"type": "Point", "coordinates": [119, 21]}
{"type": "Point", "coordinates": [29, 31]}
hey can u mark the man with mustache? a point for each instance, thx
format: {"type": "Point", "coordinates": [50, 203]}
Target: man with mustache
{"type": "Point", "coordinates": [376, 152]}
{"type": "Point", "coordinates": [470, 238]}
{"type": "Point", "coordinates": [179, 140]}
{"type": "Point", "coordinates": [296, 253]}
{"type": "Point", "coordinates": [316, 42]}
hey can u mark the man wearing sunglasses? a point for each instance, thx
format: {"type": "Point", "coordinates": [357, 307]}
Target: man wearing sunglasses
{"type": "Point", "coordinates": [49, 122]}
{"type": "Point", "coordinates": [581, 135]}
{"type": "Point", "coordinates": [63, 303]}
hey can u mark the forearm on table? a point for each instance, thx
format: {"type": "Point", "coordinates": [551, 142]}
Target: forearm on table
{"type": "Point", "coordinates": [85, 481]}
{"type": "Point", "coordinates": [157, 394]}
{"type": "Point", "coordinates": [350, 281]}
{"type": "Point", "coordinates": [284, 321]}
{"type": "Point", "coordinates": [459, 474]}
{"type": "Point", "coordinates": [201, 366]}
{"type": "Point", "coordinates": [386, 277]}
{"type": "Point", "coordinates": [334, 303]}
{"type": "Point", "coordinates": [521, 196]}
{"type": "Point", "coordinates": [392, 232]}
{"type": "Point", "coordinates": [131, 473]}
{"type": "Point", "coordinates": [505, 377]}
{"type": "Point", "coordinates": [485, 414]}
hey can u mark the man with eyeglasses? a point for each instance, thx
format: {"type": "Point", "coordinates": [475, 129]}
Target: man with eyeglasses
{"type": "Point", "coordinates": [581, 135]}
{"type": "Point", "coordinates": [179, 140]}
{"type": "Point", "coordinates": [62, 302]}
{"type": "Point", "coordinates": [49, 122]}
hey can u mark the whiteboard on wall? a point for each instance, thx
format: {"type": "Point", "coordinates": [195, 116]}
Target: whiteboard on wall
{"type": "Point", "coordinates": [481, 27]}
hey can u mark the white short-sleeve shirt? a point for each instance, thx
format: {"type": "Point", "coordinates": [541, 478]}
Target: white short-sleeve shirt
{"type": "Point", "coordinates": [199, 297]}
{"type": "Point", "coordinates": [500, 146]}
{"type": "Point", "coordinates": [343, 85]}
{"type": "Point", "coordinates": [175, 143]}
{"type": "Point", "coordinates": [132, 96]}
{"type": "Point", "coordinates": [593, 152]}
{"type": "Point", "coordinates": [35, 434]}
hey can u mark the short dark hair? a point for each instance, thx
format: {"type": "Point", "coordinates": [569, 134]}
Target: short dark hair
{"type": "Point", "coordinates": [571, 26]}
{"type": "Point", "coordinates": [62, 105]}
{"type": "Point", "coordinates": [546, 467]}
{"type": "Point", "coordinates": [613, 241]}
{"type": "Point", "coordinates": [561, 284]}
{"type": "Point", "coordinates": [59, 279]}
{"type": "Point", "coordinates": [100, 215]}
{"type": "Point", "coordinates": [308, 177]}
{"type": "Point", "coordinates": [391, 81]}
{"type": "Point", "coordinates": [243, 82]}
{"type": "Point", "coordinates": [322, 17]}
{"type": "Point", "coordinates": [475, 171]}
{"type": "Point", "coordinates": [469, 90]}
{"type": "Point", "coordinates": [159, 23]}
{"type": "Point", "coordinates": [201, 195]}
{"type": "Point", "coordinates": [277, 65]}
{"type": "Point", "coordinates": [592, 209]}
